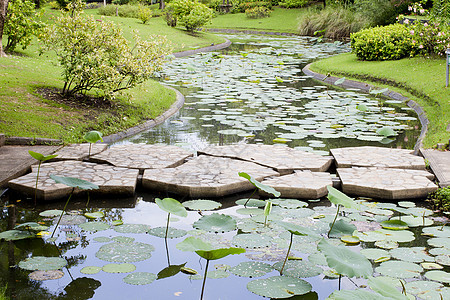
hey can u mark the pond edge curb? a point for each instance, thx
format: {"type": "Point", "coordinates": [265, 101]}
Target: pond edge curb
{"type": "Point", "coordinates": [348, 83]}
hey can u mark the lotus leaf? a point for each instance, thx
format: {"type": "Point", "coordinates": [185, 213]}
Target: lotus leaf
{"type": "Point", "coordinates": [289, 203]}
{"type": "Point", "coordinates": [31, 226]}
{"type": "Point", "coordinates": [202, 204]}
{"type": "Point", "coordinates": [51, 213]}
{"type": "Point", "coordinates": [443, 259]}
{"type": "Point", "coordinates": [400, 236]}
{"type": "Point", "coordinates": [93, 136]}
{"type": "Point", "coordinates": [262, 218]}
{"type": "Point", "coordinates": [90, 270]}
{"type": "Point", "coordinates": [379, 211]}
{"type": "Point", "coordinates": [171, 206]}
{"type": "Point", "coordinates": [125, 252]}
{"type": "Point", "coordinates": [116, 222]}
{"type": "Point", "coordinates": [356, 295]}
{"type": "Point", "coordinates": [318, 259]}
{"type": "Point", "coordinates": [95, 215]}
{"type": "Point", "coordinates": [339, 198]}
{"type": "Point", "coordinates": [419, 287]}
{"type": "Point", "coordinates": [279, 287]}
{"type": "Point", "coordinates": [217, 274]}
{"type": "Point", "coordinates": [394, 225]}
{"type": "Point", "coordinates": [251, 269]}
{"type": "Point", "coordinates": [43, 263]}
{"type": "Point", "coordinates": [123, 239]}
{"type": "Point", "coordinates": [296, 229]}
{"type": "Point", "coordinates": [431, 266]}
{"type": "Point", "coordinates": [251, 202]}
{"type": "Point", "coordinates": [341, 228]}
{"type": "Point", "coordinates": [375, 254]}
{"type": "Point", "coordinates": [219, 253]}
{"type": "Point", "coordinates": [94, 226]}
{"type": "Point", "coordinates": [259, 185]}
{"type": "Point", "coordinates": [216, 223]}
{"type": "Point", "coordinates": [385, 288]}
{"type": "Point", "coordinates": [140, 278]}
{"type": "Point", "coordinates": [170, 271]}
{"type": "Point", "coordinates": [406, 204]}
{"type": "Point", "coordinates": [172, 233]}
{"type": "Point", "coordinates": [249, 211]}
{"type": "Point", "coordinates": [439, 251]}
{"type": "Point", "coordinates": [411, 254]}
{"type": "Point", "coordinates": [252, 240]}
{"type": "Point", "coordinates": [298, 268]}
{"type": "Point", "coordinates": [413, 221]}
{"type": "Point", "coordinates": [386, 131]}
{"type": "Point", "coordinates": [349, 239]}
{"type": "Point", "coordinates": [46, 275]}
{"type": "Point", "coordinates": [41, 157]}
{"type": "Point", "coordinates": [193, 244]}
{"type": "Point", "coordinates": [14, 235]}
{"type": "Point", "coordinates": [75, 182]}
{"type": "Point", "coordinates": [102, 239]}
{"type": "Point", "coordinates": [345, 261]}
{"type": "Point", "coordinates": [132, 228]}
{"type": "Point", "coordinates": [420, 211]}
{"type": "Point", "coordinates": [437, 231]}
{"type": "Point", "coordinates": [438, 275]}
{"type": "Point", "coordinates": [386, 244]}
{"type": "Point", "coordinates": [439, 242]}
{"type": "Point", "coordinates": [399, 269]}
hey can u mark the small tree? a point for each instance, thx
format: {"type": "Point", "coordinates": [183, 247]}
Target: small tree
{"type": "Point", "coordinates": [3, 12]}
{"type": "Point", "coordinates": [94, 53]}
{"type": "Point", "coordinates": [189, 13]}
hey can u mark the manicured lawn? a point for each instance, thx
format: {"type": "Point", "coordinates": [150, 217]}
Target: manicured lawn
{"type": "Point", "coordinates": [420, 78]}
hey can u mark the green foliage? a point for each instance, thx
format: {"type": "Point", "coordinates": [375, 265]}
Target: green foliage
{"type": "Point", "coordinates": [144, 13]}
{"type": "Point", "coordinates": [188, 13]}
{"type": "Point", "coordinates": [383, 43]}
{"type": "Point", "coordinates": [441, 9]}
{"type": "Point", "coordinates": [63, 4]}
{"type": "Point", "coordinates": [293, 3]}
{"type": "Point", "coordinates": [243, 6]}
{"type": "Point", "coordinates": [96, 55]}
{"type": "Point", "coordinates": [379, 12]}
{"type": "Point", "coordinates": [258, 12]}
{"type": "Point", "coordinates": [124, 11]}
{"type": "Point", "coordinates": [441, 198]}
{"type": "Point", "coordinates": [430, 37]}
{"type": "Point", "coordinates": [22, 23]}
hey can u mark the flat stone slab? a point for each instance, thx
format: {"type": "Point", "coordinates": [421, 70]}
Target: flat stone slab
{"type": "Point", "coordinates": [369, 156]}
{"type": "Point", "coordinates": [111, 180]}
{"type": "Point", "coordinates": [301, 184]}
{"type": "Point", "coordinates": [386, 183]}
{"type": "Point", "coordinates": [281, 158]}
{"type": "Point", "coordinates": [439, 164]}
{"type": "Point", "coordinates": [205, 176]}
{"type": "Point", "coordinates": [142, 156]}
{"type": "Point", "coordinates": [78, 151]}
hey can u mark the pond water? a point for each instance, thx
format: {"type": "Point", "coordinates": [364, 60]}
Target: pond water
{"type": "Point", "coordinates": [253, 92]}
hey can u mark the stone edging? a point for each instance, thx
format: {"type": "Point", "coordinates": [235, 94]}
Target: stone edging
{"type": "Point", "coordinates": [204, 49]}
{"type": "Point", "coordinates": [150, 123]}
{"type": "Point", "coordinates": [393, 95]}
{"type": "Point", "coordinates": [247, 31]}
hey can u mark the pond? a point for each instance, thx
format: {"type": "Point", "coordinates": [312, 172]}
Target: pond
{"type": "Point", "coordinates": [252, 93]}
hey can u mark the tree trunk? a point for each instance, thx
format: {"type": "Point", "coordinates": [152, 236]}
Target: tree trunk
{"type": "Point", "coordinates": [3, 12]}
{"type": "Point", "coordinates": [162, 5]}
{"type": "Point", "coordinates": [324, 3]}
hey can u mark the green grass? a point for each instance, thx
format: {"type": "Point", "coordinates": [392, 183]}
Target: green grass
{"type": "Point", "coordinates": [421, 79]}
{"type": "Point", "coordinates": [281, 20]}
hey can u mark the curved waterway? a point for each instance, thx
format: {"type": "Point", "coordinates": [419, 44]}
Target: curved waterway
{"type": "Point", "coordinates": [255, 92]}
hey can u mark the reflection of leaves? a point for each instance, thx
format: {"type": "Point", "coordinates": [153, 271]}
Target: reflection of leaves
{"type": "Point", "coordinates": [170, 271]}
{"type": "Point", "coordinates": [81, 289]}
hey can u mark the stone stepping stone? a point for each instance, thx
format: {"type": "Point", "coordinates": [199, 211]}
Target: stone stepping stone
{"type": "Point", "coordinates": [206, 176]}
{"type": "Point", "coordinates": [386, 183]}
{"type": "Point", "coordinates": [110, 179]}
{"type": "Point", "coordinates": [78, 151]}
{"type": "Point", "coordinates": [301, 184]}
{"type": "Point", "coordinates": [281, 158]}
{"type": "Point", "coordinates": [369, 156]}
{"type": "Point", "coordinates": [142, 157]}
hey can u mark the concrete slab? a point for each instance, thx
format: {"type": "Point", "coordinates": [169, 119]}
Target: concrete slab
{"type": "Point", "coordinates": [440, 165]}
{"type": "Point", "coordinates": [15, 161]}
{"type": "Point", "coordinates": [386, 183]}
{"type": "Point", "coordinates": [78, 151]}
{"type": "Point", "coordinates": [205, 176]}
{"type": "Point", "coordinates": [142, 156]}
{"type": "Point", "coordinates": [301, 184]}
{"type": "Point", "coordinates": [281, 158]}
{"type": "Point", "coordinates": [111, 180]}
{"type": "Point", "coordinates": [2, 139]}
{"type": "Point", "coordinates": [380, 157]}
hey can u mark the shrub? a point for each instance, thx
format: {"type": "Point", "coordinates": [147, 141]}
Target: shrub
{"type": "Point", "coordinates": [258, 12]}
{"type": "Point", "coordinates": [383, 43]}
{"type": "Point", "coordinates": [188, 13]}
{"type": "Point", "coordinates": [124, 11]}
{"type": "Point", "coordinates": [430, 38]}
{"type": "Point", "coordinates": [243, 6]}
{"type": "Point", "coordinates": [144, 13]}
{"type": "Point", "coordinates": [441, 9]}
{"type": "Point", "coordinates": [169, 16]}
{"type": "Point", "coordinates": [293, 3]}
{"type": "Point", "coordinates": [379, 12]}
{"type": "Point", "coordinates": [441, 198]}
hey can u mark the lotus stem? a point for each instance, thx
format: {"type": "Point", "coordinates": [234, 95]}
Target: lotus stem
{"type": "Point", "coordinates": [245, 204]}
{"type": "Point", "coordinates": [90, 145]}
{"type": "Point", "coordinates": [204, 279]}
{"type": "Point", "coordinates": [167, 251]}
{"type": "Point", "coordinates": [87, 203]}
{"type": "Point", "coordinates": [64, 210]}
{"type": "Point", "coordinates": [37, 179]}
{"type": "Point", "coordinates": [339, 287]}
{"type": "Point", "coordinates": [287, 254]}
{"type": "Point", "coordinates": [335, 217]}
{"type": "Point", "coordinates": [167, 226]}
{"type": "Point", "coordinates": [403, 287]}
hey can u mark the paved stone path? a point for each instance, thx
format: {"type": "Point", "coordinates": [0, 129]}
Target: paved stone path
{"type": "Point", "coordinates": [281, 158]}
{"type": "Point", "coordinates": [440, 164]}
{"type": "Point", "coordinates": [78, 151]}
{"type": "Point", "coordinates": [206, 176]}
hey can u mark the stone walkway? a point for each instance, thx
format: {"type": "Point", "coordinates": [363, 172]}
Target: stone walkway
{"type": "Point", "coordinates": [440, 165]}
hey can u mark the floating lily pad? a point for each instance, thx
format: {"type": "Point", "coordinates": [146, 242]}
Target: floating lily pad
{"type": "Point", "coordinates": [251, 202]}
{"type": "Point", "coordinates": [384, 286]}
{"type": "Point", "coordinates": [318, 259]}
{"type": "Point", "coordinates": [443, 259]}
{"type": "Point", "coordinates": [123, 239]}
{"type": "Point", "coordinates": [140, 278]}
{"type": "Point", "coordinates": [51, 213]}
{"type": "Point", "coordinates": [216, 223]}
{"type": "Point", "coordinates": [279, 287]}
{"type": "Point", "coordinates": [400, 236]}
{"type": "Point", "coordinates": [355, 295]}
{"type": "Point", "coordinates": [298, 268]}
{"type": "Point", "coordinates": [116, 222]}
{"type": "Point", "coordinates": [172, 233]}
{"type": "Point", "coordinates": [289, 203]}
{"type": "Point", "coordinates": [95, 215]}
{"type": "Point", "coordinates": [440, 276]}
{"type": "Point", "coordinates": [119, 268]}
{"type": "Point", "coordinates": [431, 266]}
{"type": "Point", "coordinates": [249, 211]}
{"type": "Point", "coordinates": [90, 270]}
{"type": "Point", "coordinates": [386, 244]}
{"type": "Point", "coordinates": [341, 227]}
{"type": "Point", "coordinates": [94, 226]}
{"type": "Point", "coordinates": [411, 254]}
{"type": "Point", "coordinates": [348, 239]}
{"type": "Point", "coordinates": [251, 269]}
{"type": "Point", "coordinates": [202, 205]}
{"type": "Point", "coordinates": [252, 240]}
{"type": "Point", "coordinates": [132, 228]}
{"type": "Point", "coordinates": [399, 269]}
{"type": "Point", "coordinates": [375, 254]}
{"type": "Point", "coordinates": [14, 235]}
{"type": "Point", "coordinates": [421, 286]}
{"type": "Point", "coordinates": [42, 263]}
{"type": "Point", "coordinates": [125, 252]}
{"type": "Point", "coordinates": [439, 242]}
{"type": "Point", "coordinates": [193, 244]}
{"type": "Point", "coordinates": [46, 275]}
{"type": "Point", "coordinates": [439, 251]}
{"type": "Point", "coordinates": [102, 239]}
{"type": "Point", "coordinates": [394, 225]}
{"type": "Point", "coordinates": [437, 231]}
{"type": "Point", "coordinates": [407, 204]}
{"type": "Point", "coordinates": [217, 274]}
{"type": "Point", "coordinates": [413, 221]}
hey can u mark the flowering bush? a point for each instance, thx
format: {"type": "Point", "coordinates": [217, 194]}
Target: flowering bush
{"type": "Point", "coordinates": [243, 6]}
{"type": "Point", "coordinates": [293, 3]}
{"type": "Point", "coordinates": [258, 12]}
{"type": "Point", "coordinates": [417, 9]}
{"type": "Point", "coordinates": [432, 37]}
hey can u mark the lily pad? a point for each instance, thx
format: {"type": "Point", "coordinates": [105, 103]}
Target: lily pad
{"type": "Point", "coordinates": [394, 225]}
{"type": "Point", "coordinates": [172, 233]}
{"type": "Point", "coordinates": [438, 275]}
{"type": "Point", "coordinates": [431, 266]}
{"type": "Point", "coordinates": [132, 228]}
{"type": "Point", "coordinates": [386, 244]}
{"type": "Point", "coordinates": [251, 269]}
{"type": "Point", "coordinates": [406, 204]}
{"type": "Point", "coordinates": [43, 263]}
{"type": "Point", "coordinates": [125, 252]}
{"type": "Point", "coordinates": [102, 239]}
{"type": "Point", "coordinates": [116, 222]}
{"type": "Point", "coordinates": [439, 242]}
{"type": "Point", "coordinates": [399, 269]}
{"type": "Point", "coordinates": [289, 203]}
{"type": "Point", "coordinates": [349, 239]}
{"type": "Point", "coordinates": [341, 228]}
{"type": "Point", "coordinates": [119, 268]}
{"type": "Point", "coordinates": [251, 202]}
{"type": "Point", "coordinates": [94, 226]}
{"type": "Point", "coordinates": [140, 278]}
{"type": "Point", "coordinates": [95, 215]}
{"type": "Point", "coordinates": [252, 240]}
{"type": "Point", "coordinates": [298, 268]}
{"type": "Point", "coordinates": [46, 275]}
{"type": "Point", "coordinates": [413, 221]}
{"type": "Point", "coordinates": [386, 288]}
{"type": "Point", "coordinates": [51, 213]}
{"type": "Point", "coordinates": [202, 205]}
{"type": "Point", "coordinates": [14, 235]}
{"type": "Point", "coordinates": [355, 295]}
{"type": "Point", "coordinates": [90, 270]}
{"type": "Point", "coordinates": [375, 254]}
{"type": "Point", "coordinates": [437, 231]}
{"type": "Point", "coordinates": [421, 286]}
{"type": "Point", "coordinates": [216, 223]}
{"type": "Point", "coordinates": [411, 254]}
{"type": "Point", "coordinates": [193, 244]}
{"type": "Point", "coordinates": [279, 287]}
{"type": "Point", "coordinates": [171, 206]}
{"type": "Point", "coordinates": [123, 239]}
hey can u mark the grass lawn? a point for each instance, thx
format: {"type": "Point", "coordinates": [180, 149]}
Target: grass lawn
{"type": "Point", "coordinates": [281, 20]}
{"type": "Point", "coordinates": [421, 79]}
{"type": "Point", "coordinates": [24, 112]}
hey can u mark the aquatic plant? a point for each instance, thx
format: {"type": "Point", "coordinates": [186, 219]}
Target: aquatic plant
{"type": "Point", "coordinates": [259, 186]}
{"type": "Point", "coordinates": [93, 137]}
{"type": "Point", "coordinates": [340, 199]}
{"type": "Point", "coordinates": [41, 158]}
{"type": "Point", "coordinates": [171, 206]}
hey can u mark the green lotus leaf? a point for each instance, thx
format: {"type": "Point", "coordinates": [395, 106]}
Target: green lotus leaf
{"type": "Point", "coordinates": [362, 107]}
{"type": "Point", "coordinates": [188, 271]}
{"type": "Point", "coordinates": [202, 205]}
{"type": "Point", "coordinates": [386, 244]}
{"type": "Point", "coordinates": [95, 215]}
{"type": "Point", "coordinates": [431, 265]}
{"type": "Point", "coordinates": [90, 270]}
{"type": "Point", "coordinates": [41, 157]}
{"type": "Point", "coordinates": [400, 236]}
{"type": "Point", "coordinates": [193, 244]}
{"type": "Point", "coordinates": [42, 263]}
{"type": "Point", "coordinates": [375, 254]}
{"type": "Point", "coordinates": [94, 226]}
{"type": "Point", "coordinates": [355, 295]}
{"type": "Point", "coordinates": [279, 287]}
{"type": "Point", "coordinates": [413, 221]}
{"type": "Point", "coordinates": [394, 225]}
{"type": "Point", "coordinates": [406, 204]}
{"type": "Point", "coordinates": [385, 288]}
{"type": "Point", "coordinates": [216, 223]}
{"type": "Point", "coordinates": [399, 269]}
{"type": "Point", "coordinates": [298, 268]}
{"type": "Point", "coordinates": [331, 273]}
{"type": "Point", "coordinates": [217, 274]}
{"type": "Point", "coordinates": [252, 240]}
{"type": "Point", "coordinates": [219, 253]}
{"type": "Point", "coordinates": [411, 254]}
{"type": "Point", "coordinates": [345, 261]}
{"type": "Point", "coordinates": [132, 228]}
{"type": "Point", "coordinates": [318, 259]}
{"type": "Point", "coordinates": [140, 278]}
{"type": "Point", "coordinates": [262, 218]}
{"type": "Point", "coordinates": [289, 203]}
{"type": "Point", "coordinates": [439, 251]}
{"type": "Point", "coordinates": [437, 231]}
{"type": "Point", "coordinates": [439, 242]}
{"type": "Point", "coordinates": [281, 141]}
{"type": "Point", "coordinates": [296, 229]}
{"type": "Point", "coordinates": [349, 239]}
{"type": "Point", "coordinates": [170, 271]}
{"type": "Point", "coordinates": [420, 211]}
{"type": "Point", "coordinates": [93, 136]}
{"type": "Point", "coordinates": [172, 233]}
{"type": "Point", "coordinates": [51, 213]}
{"type": "Point", "coordinates": [340, 228]}
{"type": "Point", "coordinates": [340, 198]}
{"type": "Point", "coordinates": [116, 222]}
{"type": "Point", "coordinates": [102, 239]}
{"type": "Point", "coordinates": [251, 202]}
{"type": "Point", "coordinates": [380, 212]}
{"type": "Point", "coordinates": [172, 206]}
{"type": "Point", "coordinates": [422, 286]}
{"type": "Point", "coordinates": [438, 275]}
{"type": "Point", "coordinates": [31, 226]}
{"type": "Point", "coordinates": [75, 182]}
{"type": "Point", "coordinates": [386, 131]}
{"type": "Point", "coordinates": [14, 235]}
{"type": "Point", "coordinates": [376, 92]}
{"type": "Point", "coordinates": [251, 269]}
{"type": "Point", "coordinates": [250, 211]}
{"type": "Point", "coordinates": [259, 185]}
{"type": "Point", "coordinates": [443, 259]}
{"type": "Point", "coordinates": [125, 252]}
{"type": "Point", "coordinates": [123, 239]}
